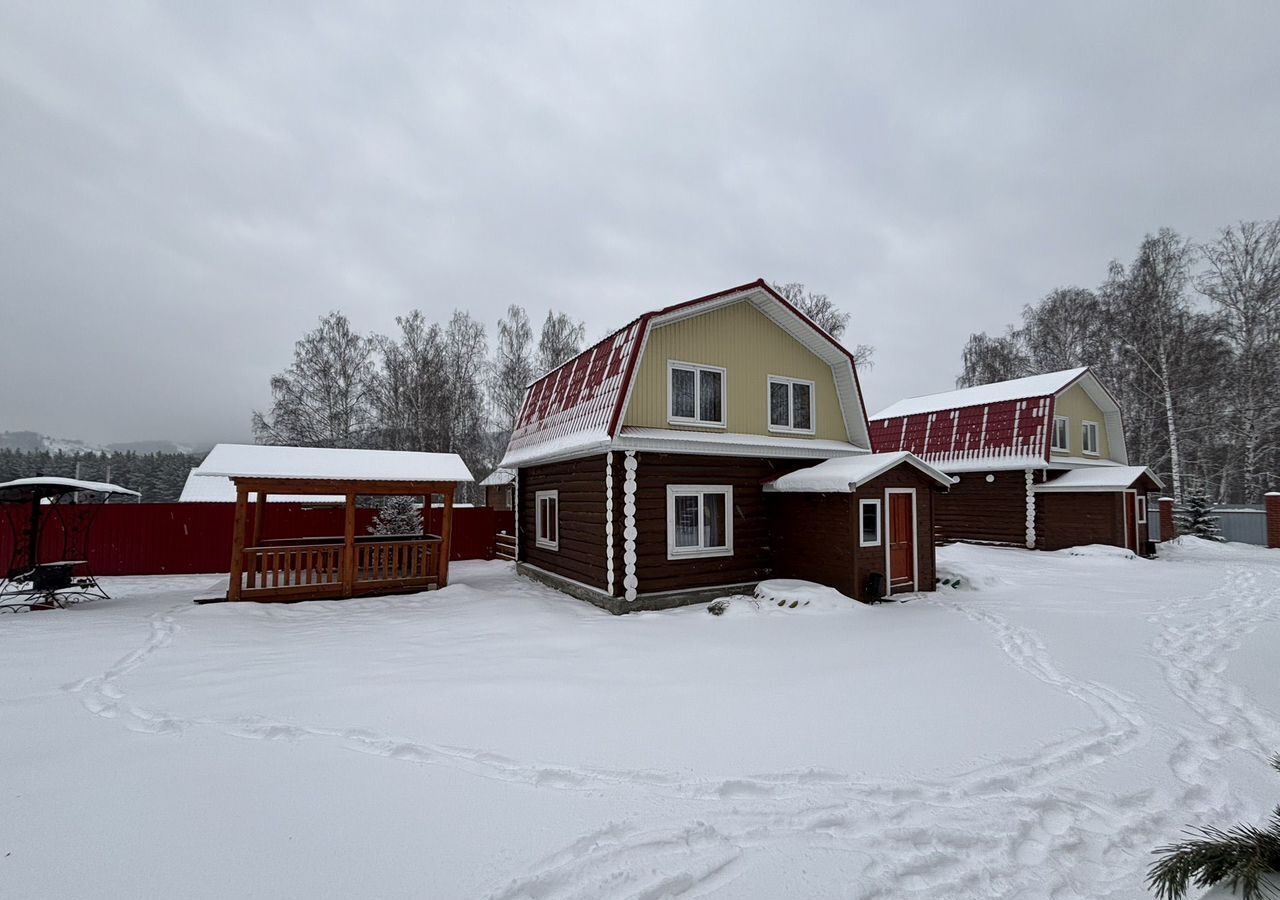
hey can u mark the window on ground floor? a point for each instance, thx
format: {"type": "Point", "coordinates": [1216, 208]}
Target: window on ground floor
{"type": "Point", "coordinates": [547, 527]}
{"type": "Point", "coordinates": [869, 523]}
{"type": "Point", "coordinates": [1142, 508]}
{"type": "Point", "coordinates": [699, 520]}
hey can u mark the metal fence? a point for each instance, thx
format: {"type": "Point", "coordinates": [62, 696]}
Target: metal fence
{"type": "Point", "coordinates": [1246, 524]}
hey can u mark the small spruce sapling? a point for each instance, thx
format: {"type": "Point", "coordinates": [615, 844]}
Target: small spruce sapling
{"type": "Point", "coordinates": [400, 515]}
{"type": "Point", "coordinates": [1195, 517]}
{"type": "Point", "coordinates": [1242, 857]}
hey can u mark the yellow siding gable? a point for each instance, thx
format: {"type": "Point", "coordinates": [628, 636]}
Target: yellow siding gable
{"type": "Point", "coordinates": [749, 347]}
{"type": "Point", "coordinates": [1074, 403]}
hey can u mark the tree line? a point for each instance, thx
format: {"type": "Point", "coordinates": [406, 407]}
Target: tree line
{"type": "Point", "coordinates": [159, 477]}
{"type": "Point", "coordinates": [1187, 337]}
{"type": "Point", "coordinates": [436, 386]}
{"type": "Point", "coordinates": [429, 387]}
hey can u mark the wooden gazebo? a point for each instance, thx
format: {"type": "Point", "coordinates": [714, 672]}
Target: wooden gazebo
{"type": "Point", "coordinates": [334, 566]}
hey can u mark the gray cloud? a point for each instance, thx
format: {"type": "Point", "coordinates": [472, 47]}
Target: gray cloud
{"type": "Point", "coordinates": [185, 189]}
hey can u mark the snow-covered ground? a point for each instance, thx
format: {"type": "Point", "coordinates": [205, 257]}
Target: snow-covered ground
{"type": "Point", "coordinates": [1033, 734]}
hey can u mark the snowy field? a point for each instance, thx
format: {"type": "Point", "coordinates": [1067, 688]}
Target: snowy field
{"type": "Point", "coordinates": [1033, 734]}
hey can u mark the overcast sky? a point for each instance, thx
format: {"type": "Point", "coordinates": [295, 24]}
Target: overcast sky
{"type": "Point", "coordinates": [186, 187]}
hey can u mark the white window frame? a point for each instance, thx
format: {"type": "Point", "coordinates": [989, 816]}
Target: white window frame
{"type": "Point", "coordinates": [699, 552]}
{"type": "Point", "coordinates": [1142, 509]}
{"type": "Point", "coordinates": [538, 517]}
{"type": "Point", "coordinates": [768, 404]}
{"type": "Point", "coordinates": [1066, 433]}
{"type": "Point", "coordinates": [862, 542]}
{"type": "Point", "coordinates": [697, 369]}
{"type": "Point", "coordinates": [1084, 443]}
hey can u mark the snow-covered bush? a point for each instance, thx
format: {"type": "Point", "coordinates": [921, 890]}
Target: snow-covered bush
{"type": "Point", "coordinates": [1195, 517]}
{"type": "Point", "coordinates": [1243, 856]}
{"type": "Point", "coordinates": [399, 515]}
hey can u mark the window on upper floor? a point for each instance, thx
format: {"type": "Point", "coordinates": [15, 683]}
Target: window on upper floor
{"type": "Point", "coordinates": [699, 520]}
{"type": "Point", "coordinates": [790, 404]}
{"type": "Point", "coordinates": [695, 394]}
{"type": "Point", "coordinates": [1061, 439]}
{"type": "Point", "coordinates": [547, 531]}
{"type": "Point", "coordinates": [1089, 438]}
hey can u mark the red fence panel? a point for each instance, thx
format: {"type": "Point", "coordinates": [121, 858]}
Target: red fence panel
{"type": "Point", "coordinates": [195, 538]}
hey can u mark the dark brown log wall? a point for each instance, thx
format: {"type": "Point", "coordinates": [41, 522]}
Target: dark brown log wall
{"type": "Point", "coordinates": [752, 558]}
{"type": "Point", "coordinates": [1071, 519]}
{"type": "Point", "coordinates": [581, 486]}
{"type": "Point", "coordinates": [814, 536]}
{"type": "Point", "coordinates": [977, 510]}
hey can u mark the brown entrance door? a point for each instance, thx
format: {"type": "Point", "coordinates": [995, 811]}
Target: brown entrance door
{"type": "Point", "coordinates": [902, 543]}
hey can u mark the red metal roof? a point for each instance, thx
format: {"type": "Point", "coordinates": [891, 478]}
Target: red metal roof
{"type": "Point", "coordinates": [1003, 429]}
{"type": "Point", "coordinates": [581, 402]}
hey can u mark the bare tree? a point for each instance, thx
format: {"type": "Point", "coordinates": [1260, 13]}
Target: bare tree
{"type": "Point", "coordinates": [826, 315]}
{"type": "Point", "coordinates": [512, 366]}
{"type": "Point", "coordinates": [560, 340]}
{"type": "Point", "coordinates": [412, 387]}
{"type": "Point", "coordinates": [1242, 278]}
{"type": "Point", "coordinates": [1151, 320]}
{"type": "Point", "coordinates": [324, 399]}
{"type": "Point", "coordinates": [987, 359]}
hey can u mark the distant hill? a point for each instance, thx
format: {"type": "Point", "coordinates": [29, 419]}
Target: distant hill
{"type": "Point", "coordinates": [35, 442]}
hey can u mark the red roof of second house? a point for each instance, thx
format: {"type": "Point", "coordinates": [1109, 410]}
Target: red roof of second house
{"type": "Point", "coordinates": [1005, 422]}
{"type": "Point", "coordinates": [579, 405]}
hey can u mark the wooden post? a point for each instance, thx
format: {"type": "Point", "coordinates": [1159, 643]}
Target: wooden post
{"type": "Point", "coordinates": [259, 517]}
{"type": "Point", "coordinates": [446, 531]}
{"type": "Point", "coordinates": [349, 548]}
{"type": "Point", "coordinates": [1168, 528]}
{"type": "Point", "coordinates": [1272, 501]}
{"type": "Point", "coordinates": [237, 542]}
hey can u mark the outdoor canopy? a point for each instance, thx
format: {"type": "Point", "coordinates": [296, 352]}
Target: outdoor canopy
{"type": "Point", "coordinates": [332, 566]}
{"type": "Point", "coordinates": [44, 487]}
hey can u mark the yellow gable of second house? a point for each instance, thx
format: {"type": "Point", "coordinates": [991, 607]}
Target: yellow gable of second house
{"type": "Point", "coordinates": [1074, 404]}
{"type": "Point", "coordinates": [749, 347]}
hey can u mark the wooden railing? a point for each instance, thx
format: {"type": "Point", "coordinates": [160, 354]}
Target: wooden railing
{"type": "Point", "coordinates": [319, 567]}
{"type": "Point", "coordinates": [504, 546]}
{"type": "Point", "coordinates": [397, 562]}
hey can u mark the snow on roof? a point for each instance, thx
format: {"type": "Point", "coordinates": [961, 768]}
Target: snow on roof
{"type": "Point", "coordinates": [24, 489]}
{"type": "Point", "coordinates": [498, 477]}
{"type": "Point", "coordinates": [218, 489]}
{"type": "Point", "coordinates": [578, 407]}
{"type": "Point", "coordinates": [326, 464]}
{"type": "Point", "coordinates": [1105, 478]}
{"type": "Point", "coordinates": [1042, 385]}
{"type": "Point", "coordinates": [844, 474]}
{"type": "Point", "coordinates": [721, 443]}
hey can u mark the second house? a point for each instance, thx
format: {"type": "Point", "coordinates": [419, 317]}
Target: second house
{"type": "Point", "coordinates": [705, 447]}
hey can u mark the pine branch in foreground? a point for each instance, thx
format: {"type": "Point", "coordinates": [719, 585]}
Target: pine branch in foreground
{"type": "Point", "coordinates": [1240, 857]}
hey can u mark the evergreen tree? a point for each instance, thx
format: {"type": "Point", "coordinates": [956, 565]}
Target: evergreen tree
{"type": "Point", "coordinates": [1195, 517]}
{"type": "Point", "coordinates": [399, 515]}
{"type": "Point", "coordinates": [1241, 856]}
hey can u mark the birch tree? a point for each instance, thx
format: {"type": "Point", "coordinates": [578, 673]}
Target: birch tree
{"type": "Point", "coordinates": [324, 398]}
{"type": "Point", "coordinates": [1148, 312]}
{"type": "Point", "coordinates": [1242, 279]}
{"type": "Point", "coordinates": [560, 340]}
{"type": "Point", "coordinates": [513, 365]}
